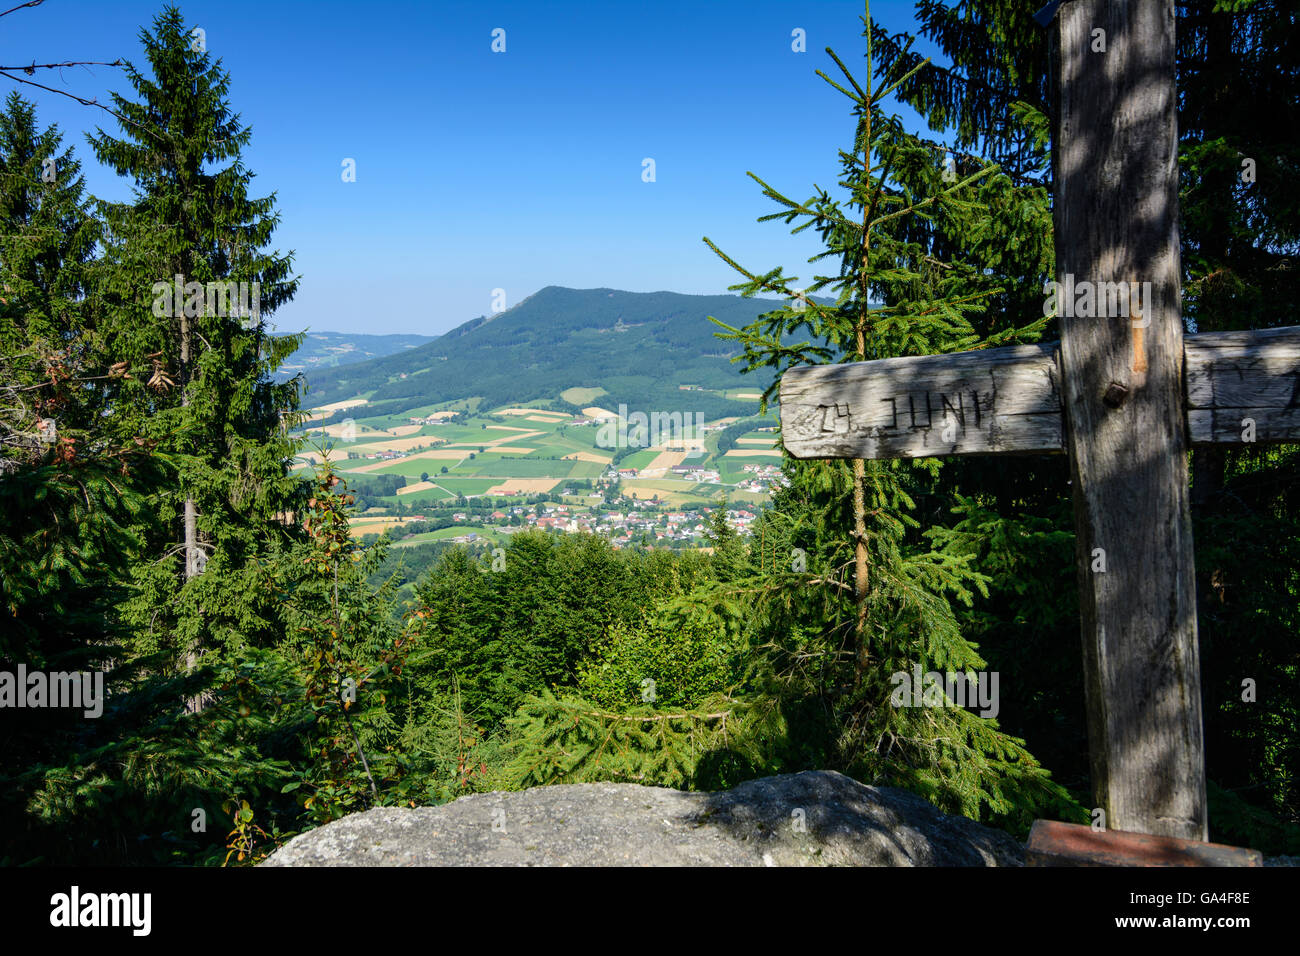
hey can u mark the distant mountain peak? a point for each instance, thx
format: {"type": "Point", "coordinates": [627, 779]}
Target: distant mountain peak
{"type": "Point", "coordinates": [637, 346]}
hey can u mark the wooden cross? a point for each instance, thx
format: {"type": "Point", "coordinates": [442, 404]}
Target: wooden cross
{"type": "Point", "coordinates": [1125, 396]}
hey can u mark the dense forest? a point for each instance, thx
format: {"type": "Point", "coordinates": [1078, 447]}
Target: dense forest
{"type": "Point", "coordinates": [267, 672]}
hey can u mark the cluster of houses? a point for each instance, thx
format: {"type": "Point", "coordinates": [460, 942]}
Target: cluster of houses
{"type": "Point", "coordinates": [620, 527]}
{"type": "Point", "coordinates": [765, 477]}
{"type": "Point", "coordinates": [683, 471]}
{"type": "Point", "coordinates": [697, 473]}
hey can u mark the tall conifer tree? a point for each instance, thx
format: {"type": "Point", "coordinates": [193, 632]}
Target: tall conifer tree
{"type": "Point", "coordinates": [884, 590]}
{"type": "Point", "coordinates": [991, 102]}
{"type": "Point", "coordinates": [62, 552]}
{"type": "Point", "coordinates": [209, 399]}
{"type": "Point", "coordinates": [47, 240]}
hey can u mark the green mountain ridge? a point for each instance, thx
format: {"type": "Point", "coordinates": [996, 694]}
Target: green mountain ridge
{"type": "Point", "coordinates": [640, 347]}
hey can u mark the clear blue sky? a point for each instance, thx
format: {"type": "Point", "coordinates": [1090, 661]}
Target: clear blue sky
{"type": "Point", "coordinates": [479, 170]}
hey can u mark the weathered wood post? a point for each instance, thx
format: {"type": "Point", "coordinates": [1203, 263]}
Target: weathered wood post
{"type": "Point", "coordinates": [1115, 155]}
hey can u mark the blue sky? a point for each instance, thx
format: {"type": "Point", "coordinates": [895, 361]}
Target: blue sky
{"type": "Point", "coordinates": [478, 170]}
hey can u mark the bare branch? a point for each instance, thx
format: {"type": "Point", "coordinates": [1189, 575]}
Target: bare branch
{"type": "Point", "coordinates": [55, 66]}
{"type": "Point", "coordinates": [30, 3]}
{"type": "Point", "coordinates": [6, 71]}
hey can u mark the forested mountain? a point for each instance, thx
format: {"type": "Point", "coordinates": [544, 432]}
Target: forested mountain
{"type": "Point", "coordinates": [639, 347]}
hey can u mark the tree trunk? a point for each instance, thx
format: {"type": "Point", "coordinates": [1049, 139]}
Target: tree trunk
{"type": "Point", "coordinates": [860, 567]}
{"type": "Point", "coordinates": [192, 704]}
{"type": "Point", "coordinates": [1115, 158]}
{"type": "Point", "coordinates": [860, 582]}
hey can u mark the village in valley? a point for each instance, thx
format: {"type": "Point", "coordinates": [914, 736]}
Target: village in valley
{"type": "Point", "coordinates": [458, 473]}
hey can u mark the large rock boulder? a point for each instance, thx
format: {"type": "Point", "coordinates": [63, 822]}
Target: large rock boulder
{"type": "Point", "coordinates": [817, 818]}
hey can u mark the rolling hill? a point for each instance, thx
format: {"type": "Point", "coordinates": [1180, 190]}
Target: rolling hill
{"type": "Point", "coordinates": [639, 348]}
{"type": "Point", "coordinates": [329, 349]}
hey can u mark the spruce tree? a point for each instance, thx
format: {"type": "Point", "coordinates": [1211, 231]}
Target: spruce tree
{"type": "Point", "coordinates": [209, 399]}
{"type": "Point", "coordinates": [991, 102]}
{"type": "Point", "coordinates": [68, 495]}
{"type": "Point", "coordinates": [73, 500]}
{"type": "Point", "coordinates": [729, 552]}
{"type": "Point", "coordinates": [881, 601]}
{"type": "Point", "coordinates": [47, 241]}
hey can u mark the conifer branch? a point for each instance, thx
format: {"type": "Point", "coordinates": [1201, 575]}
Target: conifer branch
{"type": "Point", "coordinates": [633, 718]}
{"type": "Point", "coordinates": [884, 177]}
{"type": "Point", "coordinates": [930, 200]}
{"type": "Point", "coordinates": [862, 97]}
{"type": "Point", "coordinates": [838, 87]}
{"type": "Point", "coordinates": [880, 94]}
{"type": "Point", "coordinates": [763, 283]}
{"type": "Point", "coordinates": [795, 208]}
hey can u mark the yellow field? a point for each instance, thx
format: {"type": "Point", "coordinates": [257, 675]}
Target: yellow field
{"type": "Point", "coordinates": [632, 491]}
{"type": "Point", "coordinates": [588, 456]}
{"type": "Point", "coordinates": [750, 453]}
{"type": "Point", "coordinates": [339, 406]}
{"type": "Point", "coordinates": [441, 454]}
{"type": "Point", "coordinates": [418, 486]}
{"type": "Point", "coordinates": [516, 486]}
{"type": "Point", "coordinates": [396, 444]}
{"type": "Point", "coordinates": [372, 466]}
{"type": "Point", "coordinates": [315, 414]}
{"type": "Point", "coordinates": [595, 411]}
{"type": "Point", "coordinates": [579, 394]}
{"type": "Point", "coordinates": [338, 457]}
{"type": "Point", "coordinates": [690, 444]}
{"type": "Point", "coordinates": [400, 430]}
{"type": "Point", "coordinates": [360, 526]}
{"type": "Point", "coordinates": [512, 450]}
{"type": "Point", "coordinates": [757, 441]}
{"type": "Point", "coordinates": [754, 395]}
{"type": "Point", "coordinates": [660, 464]}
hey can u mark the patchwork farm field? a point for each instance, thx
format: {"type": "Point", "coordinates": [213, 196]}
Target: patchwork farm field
{"type": "Point", "coordinates": [533, 468]}
{"type": "Point", "coordinates": [468, 486]}
{"type": "Point", "coordinates": [514, 452]}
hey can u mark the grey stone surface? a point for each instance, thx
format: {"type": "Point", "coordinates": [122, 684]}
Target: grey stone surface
{"type": "Point", "coordinates": [816, 818]}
